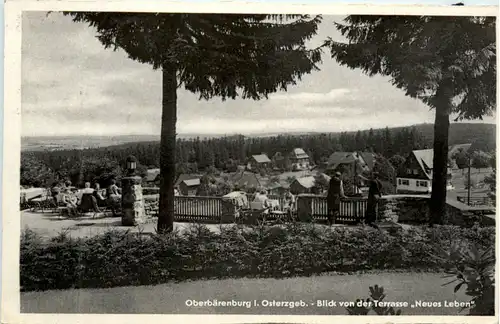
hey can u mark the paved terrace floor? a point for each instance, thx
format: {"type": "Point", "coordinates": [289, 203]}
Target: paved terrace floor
{"type": "Point", "coordinates": [50, 225]}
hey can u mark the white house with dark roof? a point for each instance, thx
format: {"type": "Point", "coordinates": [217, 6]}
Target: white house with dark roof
{"type": "Point", "coordinates": [415, 175]}
{"type": "Point", "coordinates": [299, 159]}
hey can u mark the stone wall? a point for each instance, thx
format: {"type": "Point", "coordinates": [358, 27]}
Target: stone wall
{"type": "Point", "coordinates": [414, 209]}
{"type": "Point", "coordinates": [404, 209]}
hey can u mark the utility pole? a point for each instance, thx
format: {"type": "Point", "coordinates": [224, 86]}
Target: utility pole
{"type": "Point", "coordinates": [468, 183]}
{"type": "Point", "coordinates": [354, 178]}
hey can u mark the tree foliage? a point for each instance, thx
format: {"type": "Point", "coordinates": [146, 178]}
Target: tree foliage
{"type": "Point", "coordinates": [223, 55]}
{"type": "Point", "coordinates": [422, 53]}
{"type": "Point", "coordinates": [447, 62]}
{"type": "Point", "coordinates": [229, 56]}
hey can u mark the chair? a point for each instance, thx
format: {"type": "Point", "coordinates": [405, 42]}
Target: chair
{"type": "Point", "coordinates": [88, 203]}
{"type": "Point", "coordinates": [253, 216]}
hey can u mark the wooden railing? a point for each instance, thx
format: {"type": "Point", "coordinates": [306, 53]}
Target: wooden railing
{"type": "Point", "coordinates": [352, 210]}
{"type": "Point", "coordinates": [211, 209]}
{"type": "Point", "coordinates": [198, 209]}
{"type": "Point", "coordinates": [475, 200]}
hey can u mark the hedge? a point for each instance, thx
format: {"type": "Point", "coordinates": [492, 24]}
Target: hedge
{"type": "Point", "coordinates": [122, 258]}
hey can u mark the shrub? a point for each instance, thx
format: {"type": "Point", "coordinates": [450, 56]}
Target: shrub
{"type": "Point", "coordinates": [122, 258]}
{"type": "Point", "coordinates": [363, 307]}
{"type": "Point", "coordinates": [473, 266]}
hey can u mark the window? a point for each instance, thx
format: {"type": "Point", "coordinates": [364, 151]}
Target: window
{"type": "Point", "coordinates": [422, 183]}
{"type": "Point", "coordinates": [408, 171]}
{"type": "Point", "coordinates": [405, 182]}
{"type": "Point", "coordinates": [399, 181]}
{"type": "Point", "coordinates": [415, 171]}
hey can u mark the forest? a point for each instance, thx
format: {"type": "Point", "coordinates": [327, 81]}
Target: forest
{"type": "Point", "coordinates": [43, 168]}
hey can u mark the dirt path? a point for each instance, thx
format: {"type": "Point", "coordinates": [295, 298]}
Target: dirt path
{"type": "Point", "coordinates": [171, 298]}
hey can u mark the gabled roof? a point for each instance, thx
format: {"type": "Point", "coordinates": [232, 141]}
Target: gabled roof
{"type": "Point", "coordinates": [299, 153]}
{"type": "Point", "coordinates": [369, 158]}
{"type": "Point", "coordinates": [185, 176]}
{"type": "Point", "coordinates": [425, 160]}
{"type": "Point", "coordinates": [152, 174]}
{"type": "Point", "coordinates": [278, 156]}
{"type": "Point", "coordinates": [338, 158]}
{"type": "Point", "coordinates": [327, 177]}
{"type": "Point", "coordinates": [245, 179]}
{"type": "Point", "coordinates": [425, 156]}
{"type": "Point", "coordinates": [273, 185]}
{"type": "Point", "coordinates": [261, 158]}
{"type": "Point", "coordinates": [191, 182]}
{"type": "Point", "coordinates": [306, 182]}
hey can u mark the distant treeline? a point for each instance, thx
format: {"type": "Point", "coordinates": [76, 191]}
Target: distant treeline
{"type": "Point", "coordinates": [198, 155]}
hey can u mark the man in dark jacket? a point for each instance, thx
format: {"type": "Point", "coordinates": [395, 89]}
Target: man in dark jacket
{"type": "Point", "coordinates": [335, 194]}
{"type": "Point", "coordinates": [374, 194]}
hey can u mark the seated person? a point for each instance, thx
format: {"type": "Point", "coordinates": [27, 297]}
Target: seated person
{"type": "Point", "coordinates": [114, 197]}
{"type": "Point", "coordinates": [101, 201]}
{"type": "Point", "coordinates": [70, 201]}
{"type": "Point", "coordinates": [261, 201]}
{"type": "Point", "coordinates": [289, 201]}
{"type": "Point", "coordinates": [114, 190]}
{"type": "Point", "coordinates": [87, 200]}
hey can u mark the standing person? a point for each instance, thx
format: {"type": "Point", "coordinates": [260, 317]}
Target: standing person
{"type": "Point", "coordinates": [335, 194]}
{"type": "Point", "coordinates": [374, 194]}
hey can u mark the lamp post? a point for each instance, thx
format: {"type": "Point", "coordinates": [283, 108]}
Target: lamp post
{"type": "Point", "coordinates": [132, 200]}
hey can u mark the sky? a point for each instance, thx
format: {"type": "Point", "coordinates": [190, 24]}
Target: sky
{"type": "Point", "coordinates": [71, 85]}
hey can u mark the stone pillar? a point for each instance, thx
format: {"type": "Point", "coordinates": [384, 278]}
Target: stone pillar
{"type": "Point", "coordinates": [133, 212]}
{"type": "Point", "coordinates": [228, 212]}
{"type": "Point", "coordinates": [304, 208]}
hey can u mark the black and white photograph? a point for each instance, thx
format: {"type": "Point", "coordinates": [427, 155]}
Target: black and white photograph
{"type": "Point", "coordinates": [281, 163]}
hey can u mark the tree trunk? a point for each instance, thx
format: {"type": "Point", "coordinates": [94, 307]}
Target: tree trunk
{"type": "Point", "coordinates": [437, 206]}
{"type": "Point", "coordinates": [167, 150]}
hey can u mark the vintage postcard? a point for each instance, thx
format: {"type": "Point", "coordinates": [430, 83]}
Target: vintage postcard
{"type": "Point", "coordinates": [249, 163]}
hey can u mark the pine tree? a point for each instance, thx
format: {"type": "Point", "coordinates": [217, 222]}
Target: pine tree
{"type": "Point", "coordinates": [447, 62]}
{"type": "Point", "coordinates": [227, 56]}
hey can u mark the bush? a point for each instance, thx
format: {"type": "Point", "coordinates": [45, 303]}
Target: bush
{"type": "Point", "coordinates": [122, 258]}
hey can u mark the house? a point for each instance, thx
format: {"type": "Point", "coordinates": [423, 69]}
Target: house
{"type": "Point", "coordinates": [299, 159]}
{"type": "Point", "coordinates": [152, 178]}
{"type": "Point", "coordinates": [186, 176]}
{"type": "Point", "coordinates": [275, 189]}
{"type": "Point", "coordinates": [189, 187]}
{"type": "Point", "coordinates": [415, 175]}
{"type": "Point", "coordinates": [279, 160]}
{"type": "Point", "coordinates": [302, 185]}
{"type": "Point", "coordinates": [306, 184]}
{"type": "Point", "coordinates": [260, 161]}
{"type": "Point", "coordinates": [346, 159]}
